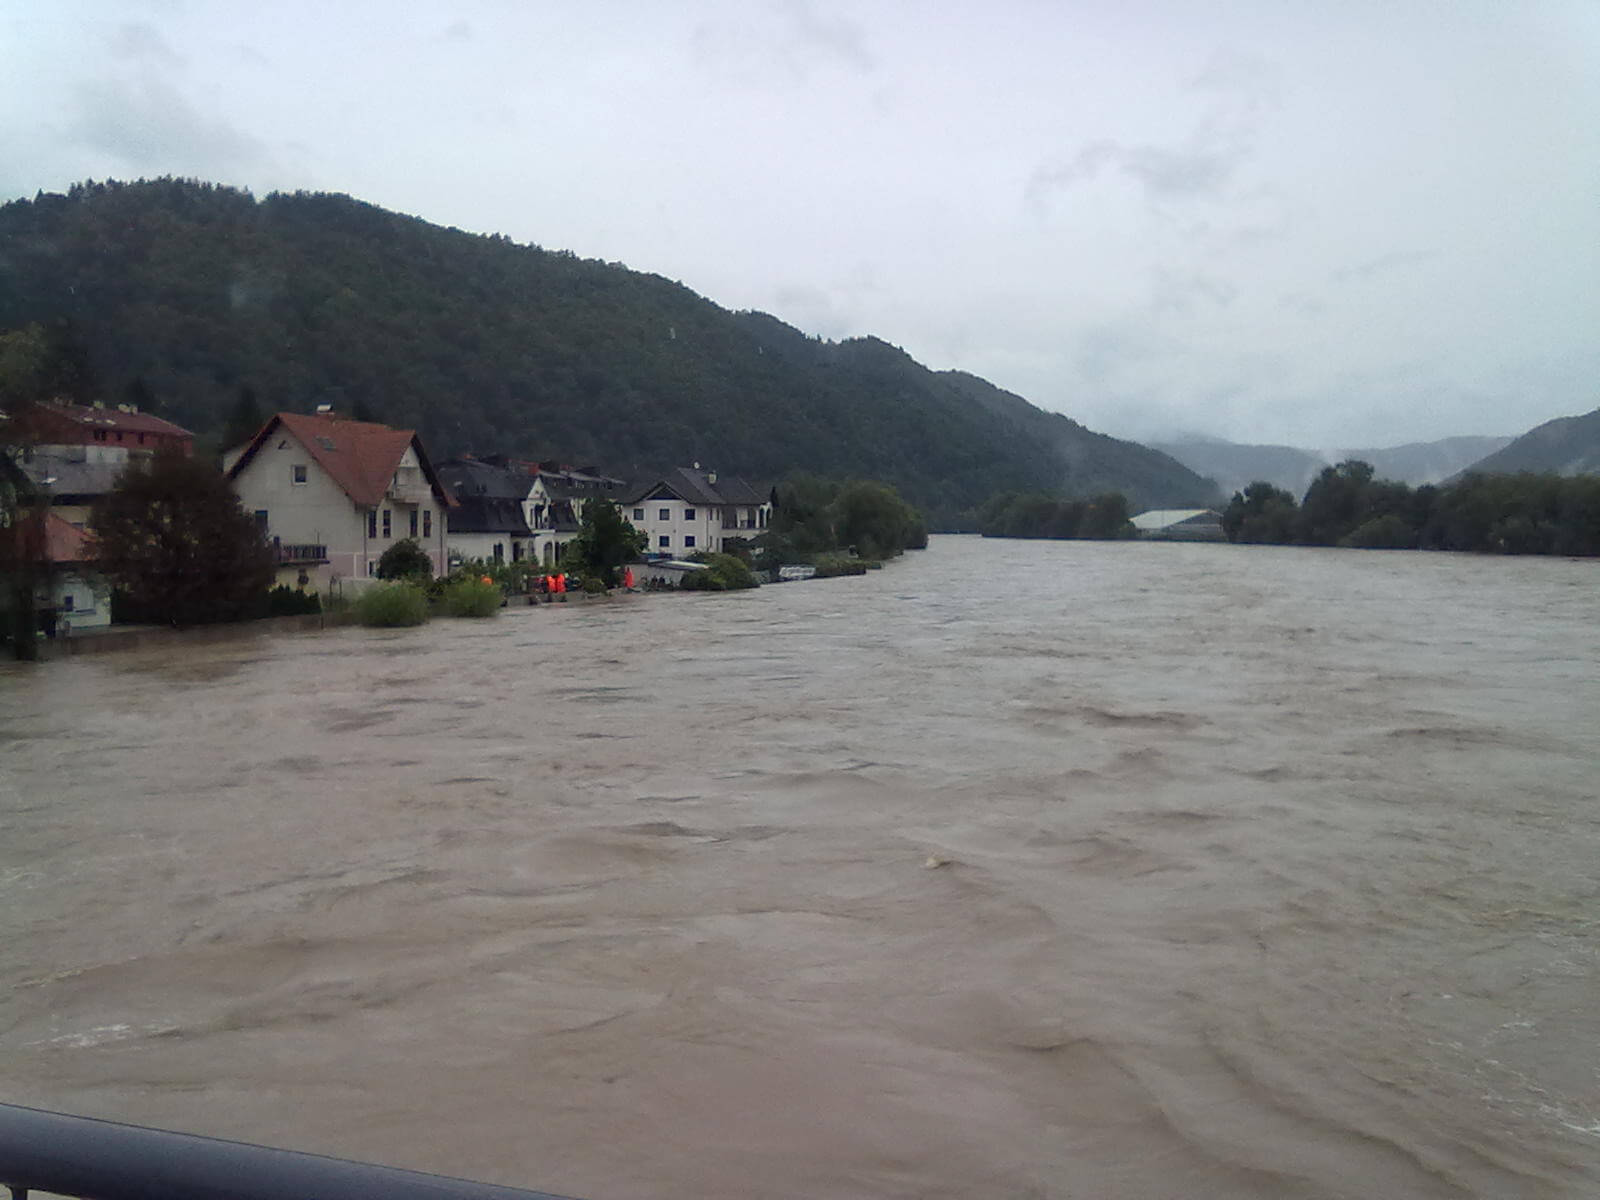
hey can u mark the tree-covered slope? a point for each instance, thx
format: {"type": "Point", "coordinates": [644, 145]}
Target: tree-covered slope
{"type": "Point", "coordinates": [1566, 446]}
{"type": "Point", "coordinates": [188, 293]}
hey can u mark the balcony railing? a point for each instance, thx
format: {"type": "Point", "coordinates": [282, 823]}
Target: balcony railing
{"type": "Point", "coordinates": [293, 553]}
{"type": "Point", "coordinates": [76, 1156]}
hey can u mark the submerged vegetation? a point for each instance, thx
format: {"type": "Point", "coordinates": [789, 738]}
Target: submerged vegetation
{"type": "Point", "coordinates": [471, 597]}
{"type": "Point", "coordinates": [1035, 515]}
{"type": "Point", "coordinates": [813, 518]}
{"type": "Point", "coordinates": [391, 605]}
{"type": "Point", "coordinates": [1347, 506]}
{"type": "Point", "coordinates": [723, 573]}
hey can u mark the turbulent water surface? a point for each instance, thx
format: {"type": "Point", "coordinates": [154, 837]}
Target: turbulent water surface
{"type": "Point", "coordinates": [1011, 870]}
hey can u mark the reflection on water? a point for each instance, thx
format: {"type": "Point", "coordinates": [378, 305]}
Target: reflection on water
{"type": "Point", "coordinates": [1014, 869]}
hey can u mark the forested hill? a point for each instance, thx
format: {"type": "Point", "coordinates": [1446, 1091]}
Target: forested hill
{"type": "Point", "coordinates": [188, 293]}
{"type": "Point", "coordinates": [1567, 446]}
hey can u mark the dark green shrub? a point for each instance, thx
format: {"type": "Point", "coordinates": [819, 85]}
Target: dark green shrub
{"type": "Point", "coordinates": [723, 573]}
{"type": "Point", "coordinates": [830, 566]}
{"type": "Point", "coordinates": [1382, 533]}
{"type": "Point", "coordinates": [285, 601]}
{"type": "Point", "coordinates": [471, 597]}
{"type": "Point", "coordinates": [593, 586]}
{"type": "Point", "coordinates": [391, 604]}
{"type": "Point", "coordinates": [405, 560]}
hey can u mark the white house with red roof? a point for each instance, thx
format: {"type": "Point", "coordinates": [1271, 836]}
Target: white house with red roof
{"type": "Point", "coordinates": [333, 494]}
{"type": "Point", "coordinates": [68, 585]}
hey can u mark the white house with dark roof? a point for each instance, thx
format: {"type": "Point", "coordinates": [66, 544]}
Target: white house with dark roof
{"type": "Point", "coordinates": [332, 495]}
{"type": "Point", "coordinates": [688, 511]}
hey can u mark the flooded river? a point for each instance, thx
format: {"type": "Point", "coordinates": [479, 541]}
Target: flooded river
{"type": "Point", "coordinates": [1013, 870]}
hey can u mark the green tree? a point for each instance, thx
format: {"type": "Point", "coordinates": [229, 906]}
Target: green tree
{"type": "Point", "coordinates": [605, 542]}
{"type": "Point", "coordinates": [405, 560]}
{"type": "Point", "coordinates": [24, 380]}
{"type": "Point", "coordinates": [244, 418]}
{"type": "Point", "coordinates": [802, 519]}
{"type": "Point", "coordinates": [172, 538]}
{"type": "Point", "coordinates": [1336, 502]}
{"type": "Point", "coordinates": [723, 573]}
{"type": "Point", "coordinates": [24, 367]}
{"type": "Point", "coordinates": [872, 518]}
{"type": "Point", "coordinates": [1107, 518]}
{"type": "Point", "coordinates": [1260, 513]}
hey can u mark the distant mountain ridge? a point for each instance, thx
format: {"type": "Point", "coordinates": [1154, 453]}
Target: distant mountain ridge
{"type": "Point", "coordinates": [190, 292]}
{"type": "Point", "coordinates": [1234, 466]}
{"type": "Point", "coordinates": [1566, 446]}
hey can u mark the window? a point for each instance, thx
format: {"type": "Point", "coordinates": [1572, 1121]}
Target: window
{"type": "Point", "coordinates": [666, 514]}
{"type": "Point", "coordinates": [688, 542]}
{"type": "Point", "coordinates": [372, 522]}
{"type": "Point", "coordinates": [261, 519]}
{"type": "Point", "coordinates": [413, 522]}
{"type": "Point", "coordinates": [388, 523]}
{"type": "Point", "coordinates": [688, 514]}
{"type": "Point", "coordinates": [297, 473]}
{"type": "Point", "coordinates": [372, 567]}
{"type": "Point", "coordinates": [664, 542]}
{"type": "Point", "coordinates": [427, 522]}
{"type": "Point", "coordinates": [638, 514]}
{"type": "Point", "coordinates": [67, 601]}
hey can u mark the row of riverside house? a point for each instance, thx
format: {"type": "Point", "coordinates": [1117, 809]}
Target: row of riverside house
{"type": "Point", "coordinates": [331, 494]}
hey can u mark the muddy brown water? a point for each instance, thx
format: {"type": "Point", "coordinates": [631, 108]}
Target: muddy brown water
{"type": "Point", "coordinates": [1012, 870]}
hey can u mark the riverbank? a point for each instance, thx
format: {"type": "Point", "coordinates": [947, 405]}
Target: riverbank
{"type": "Point", "coordinates": [117, 638]}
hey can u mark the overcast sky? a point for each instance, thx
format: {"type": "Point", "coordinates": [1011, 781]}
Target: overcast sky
{"type": "Point", "coordinates": [1328, 224]}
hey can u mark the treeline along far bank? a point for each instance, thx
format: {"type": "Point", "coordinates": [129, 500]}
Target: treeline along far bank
{"type": "Point", "coordinates": [1346, 506]}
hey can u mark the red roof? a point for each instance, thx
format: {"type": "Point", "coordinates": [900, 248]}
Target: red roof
{"type": "Point", "coordinates": [57, 421]}
{"type": "Point", "coordinates": [63, 542]}
{"type": "Point", "coordinates": [361, 457]}
{"type": "Point", "coordinates": [127, 422]}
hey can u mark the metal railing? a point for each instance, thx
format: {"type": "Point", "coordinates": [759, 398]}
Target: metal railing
{"type": "Point", "coordinates": [298, 552]}
{"type": "Point", "coordinates": [105, 1160]}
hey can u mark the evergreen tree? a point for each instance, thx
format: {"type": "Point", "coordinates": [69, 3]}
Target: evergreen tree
{"type": "Point", "coordinates": [172, 538]}
{"type": "Point", "coordinates": [244, 419]}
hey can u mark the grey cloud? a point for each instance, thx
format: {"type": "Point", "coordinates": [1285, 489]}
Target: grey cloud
{"type": "Point", "coordinates": [833, 37]}
{"type": "Point", "coordinates": [1238, 90]}
{"type": "Point", "coordinates": [457, 31]}
{"type": "Point", "coordinates": [1183, 294]}
{"type": "Point", "coordinates": [142, 43]}
{"type": "Point", "coordinates": [1383, 264]}
{"type": "Point", "coordinates": [760, 52]}
{"type": "Point", "coordinates": [1248, 81]}
{"type": "Point", "coordinates": [147, 124]}
{"type": "Point", "coordinates": [1177, 173]}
